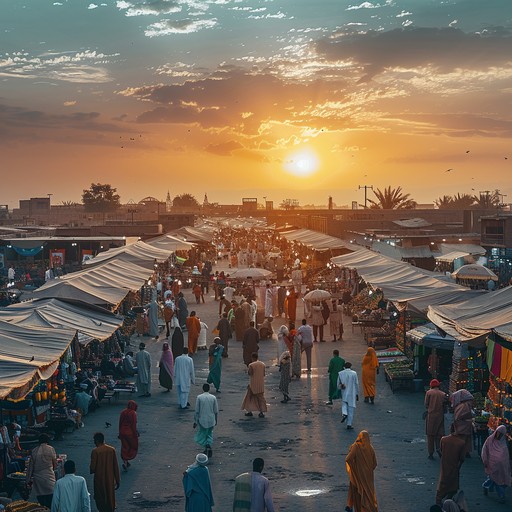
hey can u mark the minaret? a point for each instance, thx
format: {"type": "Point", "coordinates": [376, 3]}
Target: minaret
{"type": "Point", "coordinates": [205, 201]}
{"type": "Point", "coordinates": [168, 202]}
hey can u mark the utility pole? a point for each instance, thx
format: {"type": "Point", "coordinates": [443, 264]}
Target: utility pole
{"type": "Point", "coordinates": [366, 187]}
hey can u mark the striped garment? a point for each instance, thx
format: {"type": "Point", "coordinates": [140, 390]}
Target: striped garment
{"type": "Point", "coordinates": [242, 502]}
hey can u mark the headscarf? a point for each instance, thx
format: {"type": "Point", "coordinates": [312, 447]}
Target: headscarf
{"type": "Point", "coordinates": [201, 460]}
{"type": "Point", "coordinates": [450, 506]}
{"type": "Point", "coordinates": [495, 457]}
{"type": "Point", "coordinates": [167, 360]}
{"type": "Point", "coordinates": [462, 395]}
{"type": "Point", "coordinates": [434, 383]}
{"type": "Point", "coordinates": [283, 331]}
{"type": "Point", "coordinates": [132, 405]}
{"type": "Point", "coordinates": [370, 359]}
{"type": "Point", "coordinates": [285, 357]}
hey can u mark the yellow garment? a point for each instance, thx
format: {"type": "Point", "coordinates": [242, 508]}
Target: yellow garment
{"type": "Point", "coordinates": [369, 366]}
{"type": "Point", "coordinates": [506, 365]}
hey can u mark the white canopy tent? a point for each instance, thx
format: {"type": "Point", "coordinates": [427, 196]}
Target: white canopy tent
{"type": "Point", "coordinates": [476, 317]}
{"type": "Point", "coordinates": [138, 253]}
{"type": "Point", "coordinates": [116, 273]}
{"type": "Point", "coordinates": [94, 322]}
{"type": "Point", "coordinates": [314, 239]}
{"type": "Point", "coordinates": [28, 355]}
{"type": "Point", "coordinates": [407, 286]}
{"type": "Point", "coordinates": [170, 243]}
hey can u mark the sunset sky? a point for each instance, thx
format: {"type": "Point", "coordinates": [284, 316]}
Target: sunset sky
{"type": "Point", "coordinates": [252, 98]}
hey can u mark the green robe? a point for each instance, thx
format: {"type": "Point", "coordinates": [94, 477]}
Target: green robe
{"type": "Point", "coordinates": [336, 365]}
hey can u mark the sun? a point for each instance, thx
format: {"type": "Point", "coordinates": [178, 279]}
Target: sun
{"type": "Point", "coordinates": [302, 163]}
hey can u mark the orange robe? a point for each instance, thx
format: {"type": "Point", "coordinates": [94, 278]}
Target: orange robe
{"type": "Point", "coordinates": [105, 468]}
{"type": "Point", "coordinates": [369, 366]}
{"type": "Point", "coordinates": [361, 463]}
{"type": "Point", "coordinates": [193, 328]}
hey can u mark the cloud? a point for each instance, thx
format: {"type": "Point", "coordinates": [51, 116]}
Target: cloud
{"type": "Point", "coordinates": [367, 5]}
{"type": "Point", "coordinates": [184, 26]}
{"type": "Point", "coordinates": [29, 126]}
{"type": "Point", "coordinates": [86, 66]}
{"type": "Point", "coordinates": [444, 49]}
{"type": "Point", "coordinates": [229, 95]}
{"type": "Point", "coordinates": [69, 103]}
{"type": "Point", "coordinates": [92, 6]}
{"type": "Point", "coordinates": [148, 8]}
{"type": "Point", "coordinates": [224, 148]}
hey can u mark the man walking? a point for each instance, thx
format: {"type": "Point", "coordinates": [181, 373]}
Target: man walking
{"type": "Point", "coordinates": [184, 376]}
{"type": "Point", "coordinates": [252, 491]}
{"type": "Point", "coordinates": [336, 365]}
{"type": "Point", "coordinates": [205, 417]}
{"type": "Point", "coordinates": [143, 362]}
{"type": "Point", "coordinates": [193, 328]}
{"type": "Point", "coordinates": [254, 399]}
{"type": "Point", "coordinates": [197, 486]}
{"type": "Point", "coordinates": [453, 454]}
{"type": "Point", "coordinates": [305, 333]}
{"type": "Point", "coordinates": [250, 343]}
{"type": "Point", "coordinates": [105, 469]}
{"type": "Point", "coordinates": [224, 329]}
{"type": "Point", "coordinates": [70, 493]}
{"type": "Point", "coordinates": [349, 385]}
{"type": "Point", "coordinates": [435, 401]}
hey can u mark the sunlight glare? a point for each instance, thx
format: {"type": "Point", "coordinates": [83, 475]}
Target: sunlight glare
{"type": "Point", "coordinates": [302, 163]}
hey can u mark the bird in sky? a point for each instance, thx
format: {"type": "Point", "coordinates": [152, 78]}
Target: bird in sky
{"type": "Point", "coordinates": [448, 170]}
{"type": "Point", "coordinates": [467, 151]}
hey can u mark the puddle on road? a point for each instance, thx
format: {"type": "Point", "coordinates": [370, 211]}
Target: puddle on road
{"type": "Point", "coordinates": [411, 479]}
{"type": "Point", "coordinates": [306, 493]}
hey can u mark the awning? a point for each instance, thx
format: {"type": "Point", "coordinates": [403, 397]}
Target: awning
{"type": "Point", "coordinates": [405, 285]}
{"type": "Point", "coordinates": [473, 249]}
{"type": "Point", "coordinates": [72, 290]}
{"type": "Point", "coordinates": [454, 255]}
{"type": "Point", "coordinates": [170, 243]}
{"type": "Point", "coordinates": [94, 322]}
{"type": "Point", "coordinates": [314, 239]}
{"type": "Point", "coordinates": [477, 317]}
{"type": "Point", "coordinates": [138, 253]}
{"type": "Point", "coordinates": [116, 273]}
{"type": "Point", "coordinates": [430, 337]}
{"type": "Point", "coordinates": [194, 235]}
{"type": "Point", "coordinates": [28, 355]}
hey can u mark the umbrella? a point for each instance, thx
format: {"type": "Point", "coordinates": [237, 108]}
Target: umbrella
{"type": "Point", "coordinates": [315, 295]}
{"type": "Point", "coordinates": [474, 271]}
{"type": "Point", "coordinates": [254, 273]}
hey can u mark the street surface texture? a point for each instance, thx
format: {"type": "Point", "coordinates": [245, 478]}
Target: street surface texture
{"type": "Point", "coordinates": [303, 443]}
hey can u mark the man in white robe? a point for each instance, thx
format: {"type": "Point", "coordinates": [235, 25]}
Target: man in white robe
{"type": "Point", "coordinates": [152, 308]}
{"type": "Point", "coordinates": [269, 301]}
{"type": "Point", "coordinates": [70, 492]}
{"type": "Point", "coordinates": [143, 360]}
{"type": "Point", "coordinates": [184, 376]}
{"type": "Point", "coordinates": [349, 385]}
{"type": "Point", "coordinates": [229, 292]}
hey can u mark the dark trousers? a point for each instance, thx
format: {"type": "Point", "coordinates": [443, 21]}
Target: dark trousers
{"type": "Point", "coordinates": [45, 500]}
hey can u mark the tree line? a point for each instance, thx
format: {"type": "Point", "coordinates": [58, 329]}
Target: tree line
{"type": "Point", "coordinates": [104, 198]}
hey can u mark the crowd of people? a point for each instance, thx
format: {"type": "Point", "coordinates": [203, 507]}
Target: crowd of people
{"type": "Point", "coordinates": [247, 314]}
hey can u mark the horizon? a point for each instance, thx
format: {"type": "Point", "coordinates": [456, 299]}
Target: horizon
{"type": "Point", "coordinates": [239, 98]}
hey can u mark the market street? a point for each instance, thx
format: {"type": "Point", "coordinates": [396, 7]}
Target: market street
{"type": "Point", "coordinates": [303, 442]}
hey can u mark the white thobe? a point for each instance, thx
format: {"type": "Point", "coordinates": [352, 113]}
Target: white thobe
{"type": "Point", "coordinates": [184, 376]}
{"type": "Point", "coordinates": [70, 495]}
{"type": "Point", "coordinates": [229, 292]}
{"type": "Point", "coordinates": [143, 360]}
{"type": "Point", "coordinates": [269, 303]}
{"type": "Point", "coordinates": [206, 410]}
{"type": "Point", "coordinates": [348, 378]}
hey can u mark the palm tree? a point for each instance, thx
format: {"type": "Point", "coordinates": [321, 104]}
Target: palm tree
{"type": "Point", "coordinates": [487, 200]}
{"type": "Point", "coordinates": [392, 199]}
{"type": "Point", "coordinates": [462, 201]}
{"type": "Point", "coordinates": [444, 202]}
